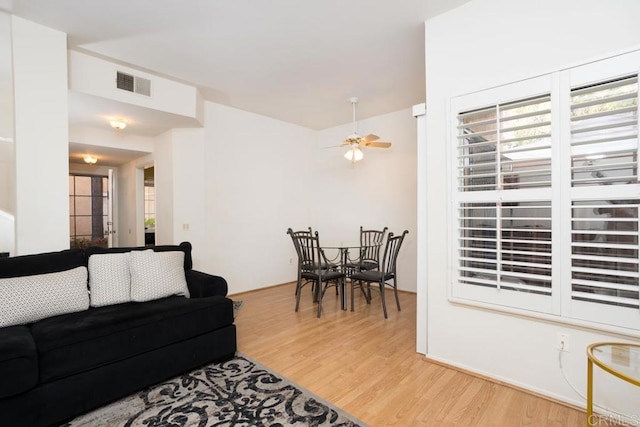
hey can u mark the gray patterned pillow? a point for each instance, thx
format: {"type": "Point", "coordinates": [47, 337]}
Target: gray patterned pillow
{"type": "Point", "coordinates": [109, 279]}
{"type": "Point", "coordinates": [31, 298]}
{"type": "Point", "coordinates": [157, 275]}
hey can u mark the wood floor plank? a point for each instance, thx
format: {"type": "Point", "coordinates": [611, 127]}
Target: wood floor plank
{"type": "Point", "coordinates": [368, 366]}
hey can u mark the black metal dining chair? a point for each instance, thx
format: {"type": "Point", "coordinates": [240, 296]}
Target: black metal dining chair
{"type": "Point", "coordinates": [301, 267]}
{"type": "Point", "coordinates": [370, 244]}
{"type": "Point", "coordinates": [369, 256]}
{"type": "Point", "coordinates": [382, 276]}
{"type": "Point", "coordinates": [321, 275]}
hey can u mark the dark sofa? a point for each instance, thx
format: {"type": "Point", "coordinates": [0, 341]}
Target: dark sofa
{"type": "Point", "coordinates": [59, 367]}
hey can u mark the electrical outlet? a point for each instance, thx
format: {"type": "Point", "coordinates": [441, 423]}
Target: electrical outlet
{"type": "Point", "coordinates": [290, 260]}
{"type": "Point", "coordinates": [562, 342]}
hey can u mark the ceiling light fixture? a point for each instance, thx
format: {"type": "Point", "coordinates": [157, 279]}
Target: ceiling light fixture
{"type": "Point", "coordinates": [118, 124]}
{"type": "Point", "coordinates": [354, 154]}
{"type": "Point", "coordinates": [90, 160]}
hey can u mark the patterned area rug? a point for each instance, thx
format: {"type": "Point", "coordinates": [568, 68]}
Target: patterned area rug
{"type": "Point", "coordinates": [239, 392]}
{"type": "Point", "coordinates": [237, 305]}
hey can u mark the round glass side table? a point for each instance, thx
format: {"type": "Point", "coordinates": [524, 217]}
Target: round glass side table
{"type": "Point", "coordinates": [619, 359]}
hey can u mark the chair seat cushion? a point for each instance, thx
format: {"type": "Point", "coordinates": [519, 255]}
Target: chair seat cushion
{"type": "Point", "coordinates": [18, 361]}
{"type": "Point", "coordinates": [368, 265]}
{"type": "Point", "coordinates": [364, 265]}
{"type": "Point", "coordinates": [77, 342]}
{"type": "Point", "coordinates": [326, 275]}
{"type": "Point", "coordinates": [314, 267]}
{"type": "Point", "coordinates": [371, 276]}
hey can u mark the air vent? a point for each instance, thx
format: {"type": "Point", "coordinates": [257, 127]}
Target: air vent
{"type": "Point", "coordinates": [133, 84]}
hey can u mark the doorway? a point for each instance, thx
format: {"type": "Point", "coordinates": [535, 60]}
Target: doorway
{"type": "Point", "coordinates": [149, 206]}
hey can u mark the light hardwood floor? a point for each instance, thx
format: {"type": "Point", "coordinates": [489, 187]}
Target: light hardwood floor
{"type": "Point", "coordinates": [368, 366]}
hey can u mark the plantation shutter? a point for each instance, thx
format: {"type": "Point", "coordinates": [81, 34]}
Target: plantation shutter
{"type": "Point", "coordinates": [604, 133]}
{"type": "Point", "coordinates": [546, 194]}
{"type": "Point", "coordinates": [500, 249]}
{"type": "Point", "coordinates": [503, 157]}
{"type": "Point", "coordinates": [506, 146]}
{"type": "Point", "coordinates": [604, 160]}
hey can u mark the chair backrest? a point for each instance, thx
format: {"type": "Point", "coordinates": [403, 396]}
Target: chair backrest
{"type": "Point", "coordinates": [310, 252]}
{"type": "Point", "coordinates": [296, 243]}
{"type": "Point", "coordinates": [306, 244]}
{"type": "Point", "coordinates": [391, 252]}
{"type": "Point", "coordinates": [370, 244]}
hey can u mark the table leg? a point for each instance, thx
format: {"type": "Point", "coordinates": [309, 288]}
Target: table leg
{"type": "Point", "coordinates": [343, 295]}
{"type": "Point", "coordinates": [590, 393]}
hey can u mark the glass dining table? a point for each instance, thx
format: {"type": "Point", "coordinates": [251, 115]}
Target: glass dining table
{"type": "Point", "coordinates": [344, 262]}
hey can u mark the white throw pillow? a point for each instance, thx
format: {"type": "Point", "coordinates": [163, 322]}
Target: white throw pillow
{"type": "Point", "coordinates": [109, 279]}
{"type": "Point", "coordinates": [31, 298]}
{"type": "Point", "coordinates": [157, 275]}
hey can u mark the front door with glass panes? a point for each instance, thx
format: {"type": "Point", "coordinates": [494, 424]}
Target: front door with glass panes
{"type": "Point", "coordinates": [90, 211]}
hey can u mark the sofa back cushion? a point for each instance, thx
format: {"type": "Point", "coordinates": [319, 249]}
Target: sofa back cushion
{"type": "Point", "coordinates": [184, 247]}
{"type": "Point", "coordinates": [109, 279]}
{"type": "Point", "coordinates": [27, 299]}
{"type": "Point", "coordinates": [157, 275]}
{"type": "Point", "coordinates": [49, 262]}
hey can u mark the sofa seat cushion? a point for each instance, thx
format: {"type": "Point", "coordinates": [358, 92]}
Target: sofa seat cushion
{"type": "Point", "coordinates": [77, 342]}
{"type": "Point", "coordinates": [18, 361]}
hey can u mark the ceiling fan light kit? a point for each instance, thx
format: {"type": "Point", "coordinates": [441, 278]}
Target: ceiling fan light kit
{"type": "Point", "coordinates": [355, 142]}
{"type": "Point", "coordinates": [354, 154]}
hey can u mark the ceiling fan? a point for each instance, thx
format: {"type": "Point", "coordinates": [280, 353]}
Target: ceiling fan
{"type": "Point", "coordinates": [356, 143]}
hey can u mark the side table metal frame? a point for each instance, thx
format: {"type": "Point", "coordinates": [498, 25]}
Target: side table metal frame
{"type": "Point", "coordinates": [591, 359]}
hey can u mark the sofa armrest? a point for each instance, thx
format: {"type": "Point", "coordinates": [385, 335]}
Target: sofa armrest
{"type": "Point", "coordinates": [205, 285]}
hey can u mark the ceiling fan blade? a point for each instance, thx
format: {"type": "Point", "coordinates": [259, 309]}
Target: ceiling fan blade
{"type": "Point", "coordinates": [371, 137]}
{"type": "Point", "coordinates": [378, 144]}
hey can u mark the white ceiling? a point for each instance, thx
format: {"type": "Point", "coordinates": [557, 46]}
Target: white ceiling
{"type": "Point", "coordinates": [107, 156]}
{"type": "Point", "coordinates": [296, 61]}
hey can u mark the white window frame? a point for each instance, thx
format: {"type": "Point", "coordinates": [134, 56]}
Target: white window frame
{"type": "Point", "coordinates": [559, 305]}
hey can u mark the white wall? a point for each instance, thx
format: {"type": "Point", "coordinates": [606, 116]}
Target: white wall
{"type": "Point", "coordinates": [164, 167]}
{"type": "Point", "coordinates": [95, 76]}
{"type": "Point", "coordinates": [376, 192]}
{"type": "Point", "coordinates": [7, 148]}
{"type": "Point", "coordinates": [479, 45]}
{"type": "Point", "coordinates": [110, 138]}
{"type": "Point", "coordinates": [190, 220]}
{"type": "Point", "coordinates": [7, 196]}
{"type": "Point", "coordinates": [41, 137]}
{"type": "Point", "coordinates": [257, 183]}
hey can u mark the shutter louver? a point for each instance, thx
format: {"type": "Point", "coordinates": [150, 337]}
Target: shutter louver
{"type": "Point", "coordinates": [604, 252]}
{"type": "Point", "coordinates": [604, 133]}
{"type": "Point", "coordinates": [505, 147]}
{"type": "Point", "coordinates": [526, 246]}
{"type": "Point", "coordinates": [604, 147]}
{"type": "Point", "coordinates": [478, 244]}
{"type": "Point", "coordinates": [516, 256]}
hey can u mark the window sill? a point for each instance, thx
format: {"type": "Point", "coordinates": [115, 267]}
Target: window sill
{"type": "Point", "coordinates": [595, 327]}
